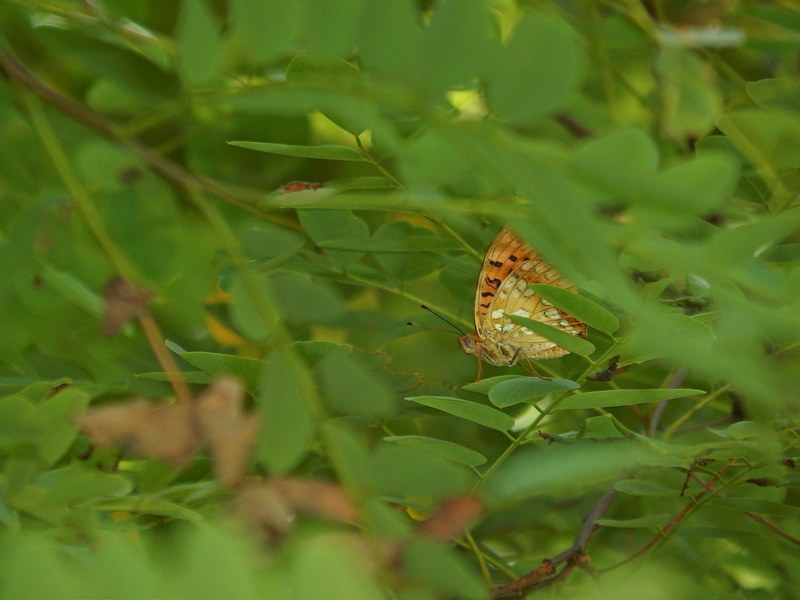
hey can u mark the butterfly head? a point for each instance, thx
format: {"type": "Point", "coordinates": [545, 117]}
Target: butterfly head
{"type": "Point", "coordinates": [496, 353]}
{"type": "Point", "coordinates": [470, 344]}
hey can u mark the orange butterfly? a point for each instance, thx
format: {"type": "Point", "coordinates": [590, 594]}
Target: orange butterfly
{"type": "Point", "coordinates": [509, 268]}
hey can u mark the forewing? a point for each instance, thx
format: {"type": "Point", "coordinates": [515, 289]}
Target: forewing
{"type": "Point", "coordinates": [505, 252]}
{"type": "Point", "coordinates": [514, 297]}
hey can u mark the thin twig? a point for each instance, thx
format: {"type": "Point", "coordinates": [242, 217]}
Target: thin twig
{"type": "Point", "coordinates": [169, 170]}
{"type": "Point", "coordinates": [545, 574]}
{"type": "Point", "coordinates": [773, 528]}
{"type": "Point", "coordinates": [663, 533]}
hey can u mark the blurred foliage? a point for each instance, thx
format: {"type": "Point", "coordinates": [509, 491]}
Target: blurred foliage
{"type": "Point", "coordinates": [648, 150]}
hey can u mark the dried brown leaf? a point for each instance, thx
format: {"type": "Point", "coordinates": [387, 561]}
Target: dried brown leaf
{"type": "Point", "coordinates": [263, 508]}
{"type": "Point", "coordinates": [144, 429]}
{"type": "Point", "coordinates": [123, 302]}
{"type": "Point", "coordinates": [316, 497]}
{"type": "Point", "coordinates": [225, 428]}
{"type": "Point", "coordinates": [451, 517]}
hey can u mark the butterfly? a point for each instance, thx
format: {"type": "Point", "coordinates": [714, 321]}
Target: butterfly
{"type": "Point", "coordinates": [510, 266]}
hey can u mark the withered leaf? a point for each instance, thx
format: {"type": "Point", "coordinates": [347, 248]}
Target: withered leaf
{"type": "Point", "coordinates": [123, 302]}
{"type": "Point", "coordinates": [224, 427]}
{"type": "Point", "coordinates": [316, 497]}
{"type": "Point", "coordinates": [144, 429]}
{"type": "Point", "coordinates": [270, 505]}
{"type": "Point", "coordinates": [173, 433]}
{"type": "Point", "coordinates": [451, 517]}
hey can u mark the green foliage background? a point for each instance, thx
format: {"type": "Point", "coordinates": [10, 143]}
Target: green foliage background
{"type": "Point", "coordinates": [648, 150]}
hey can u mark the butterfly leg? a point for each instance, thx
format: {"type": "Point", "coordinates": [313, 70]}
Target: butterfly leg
{"type": "Point", "coordinates": [528, 366]}
{"type": "Point", "coordinates": [480, 368]}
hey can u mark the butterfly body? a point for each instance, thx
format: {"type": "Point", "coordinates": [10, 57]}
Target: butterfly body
{"type": "Point", "coordinates": [503, 289]}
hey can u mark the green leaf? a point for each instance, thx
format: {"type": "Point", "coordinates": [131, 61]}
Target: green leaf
{"type": "Point", "coordinates": [442, 448]}
{"type": "Point", "coordinates": [538, 72]}
{"type": "Point", "coordinates": [698, 185]}
{"type": "Point", "coordinates": [216, 364]}
{"type": "Point", "coordinates": [527, 389]}
{"type": "Point", "coordinates": [287, 399]}
{"type": "Point", "coordinates": [485, 385]}
{"type": "Point", "coordinates": [404, 265]}
{"type": "Point", "coordinates": [783, 253]}
{"type": "Point", "coordinates": [442, 571]}
{"type": "Point", "coordinates": [384, 45]}
{"type": "Point", "coordinates": [690, 98]}
{"type": "Point", "coordinates": [245, 309]}
{"type": "Point", "coordinates": [265, 31]}
{"type": "Point", "coordinates": [580, 307]}
{"type": "Point", "coordinates": [211, 562]}
{"type": "Point", "coordinates": [658, 520]}
{"type": "Point", "coordinates": [73, 290]}
{"type": "Point", "coordinates": [563, 339]}
{"type": "Point", "coordinates": [302, 300]}
{"type": "Point", "coordinates": [325, 225]}
{"type": "Point", "coordinates": [559, 469]}
{"type": "Point", "coordinates": [323, 152]}
{"type": "Point", "coordinates": [601, 427]}
{"type": "Point", "coordinates": [199, 55]}
{"type": "Point", "coordinates": [757, 505]}
{"type": "Point", "coordinates": [622, 161]}
{"type": "Point", "coordinates": [471, 411]}
{"type": "Point", "coordinates": [56, 417]}
{"type": "Point", "coordinates": [607, 398]}
{"type": "Point", "coordinates": [404, 471]}
{"type": "Point", "coordinates": [639, 487]}
{"type": "Point", "coordinates": [410, 243]}
{"type": "Point", "coordinates": [332, 566]}
{"type": "Point", "coordinates": [78, 484]}
{"type": "Point", "coordinates": [346, 109]}
{"type": "Point", "coordinates": [331, 28]}
{"type": "Point", "coordinates": [351, 387]}
{"type": "Point", "coordinates": [455, 47]}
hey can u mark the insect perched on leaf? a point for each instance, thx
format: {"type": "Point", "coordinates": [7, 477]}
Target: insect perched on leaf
{"type": "Point", "coordinates": [510, 266]}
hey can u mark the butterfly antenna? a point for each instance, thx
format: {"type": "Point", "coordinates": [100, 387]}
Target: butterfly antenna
{"type": "Point", "coordinates": [433, 312]}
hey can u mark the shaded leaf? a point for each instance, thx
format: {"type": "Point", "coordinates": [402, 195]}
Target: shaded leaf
{"type": "Point", "coordinates": [526, 389]}
{"type": "Point", "coordinates": [471, 411]}
{"type": "Point", "coordinates": [286, 399]}
{"type": "Point", "coordinates": [324, 152]}
{"type": "Point", "coordinates": [538, 72]}
{"type": "Point", "coordinates": [582, 308]}
{"type": "Point", "coordinates": [443, 448]}
{"type": "Point", "coordinates": [565, 340]}
{"type": "Point", "coordinates": [639, 487]}
{"type": "Point", "coordinates": [607, 398]}
{"type": "Point", "coordinates": [658, 520]}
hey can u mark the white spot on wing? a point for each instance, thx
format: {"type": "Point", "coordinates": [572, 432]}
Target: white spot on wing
{"type": "Point", "coordinates": [497, 313]}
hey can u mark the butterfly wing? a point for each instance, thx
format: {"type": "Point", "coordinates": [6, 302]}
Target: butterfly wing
{"type": "Point", "coordinates": [503, 289]}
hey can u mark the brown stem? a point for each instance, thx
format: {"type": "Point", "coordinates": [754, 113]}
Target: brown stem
{"type": "Point", "coordinates": [574, 556]}
{"type": "Point", "coordinates": [166, 168]}
{"type": "Point", "coordinates": [773, 528]}
{"type": "Point", "coordinates": [665, 531]}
